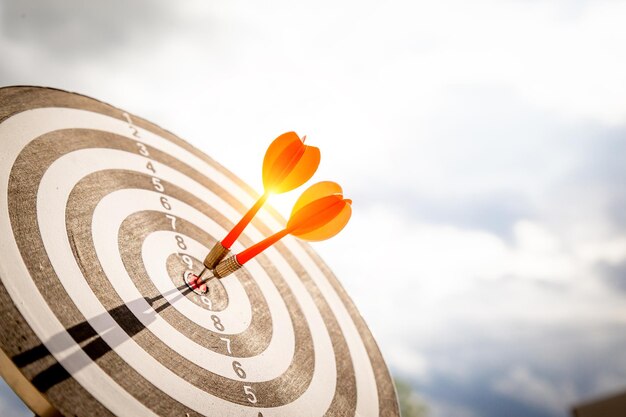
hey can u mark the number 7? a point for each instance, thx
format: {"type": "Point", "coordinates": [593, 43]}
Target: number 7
{"type": "Point", "coordinates": [227, 340]}
{"type": "Point", "coordinates": [173, 219]}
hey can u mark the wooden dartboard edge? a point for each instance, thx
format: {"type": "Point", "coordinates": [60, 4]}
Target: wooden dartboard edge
{"type": "Point", "coordinates": [35, 400]}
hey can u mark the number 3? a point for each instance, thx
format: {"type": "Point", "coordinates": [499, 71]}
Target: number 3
{"type": "Point", "coordinates": [142, 148]}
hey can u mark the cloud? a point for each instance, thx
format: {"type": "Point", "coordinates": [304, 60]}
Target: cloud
{"type": "Point", "coordinates": [614, 275]}
{"type": "Point", "coordinates": [461, 305]}
{"type": "Point", "coordinates": [499, 369]}
{"type": "Point", "coordinates": [522, 384]}
{"type": "Point", "coordinates": [75, 30]}
{"type": "Point", "coordinates": [407, 362]}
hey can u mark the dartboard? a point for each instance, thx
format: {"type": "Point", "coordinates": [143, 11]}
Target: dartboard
{"type": "Point", "coordinates": [102, 215]}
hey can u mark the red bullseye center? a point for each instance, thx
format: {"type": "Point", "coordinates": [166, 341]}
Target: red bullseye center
{"type": "Point", "coordinates": [195, 283]}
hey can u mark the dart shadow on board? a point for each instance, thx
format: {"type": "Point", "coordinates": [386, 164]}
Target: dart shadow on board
{"type": "Point", "coordinates": [91, 341]}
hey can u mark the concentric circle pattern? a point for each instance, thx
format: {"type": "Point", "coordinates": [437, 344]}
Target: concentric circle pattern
{"type": "Point", "coordinates": [101, 215]}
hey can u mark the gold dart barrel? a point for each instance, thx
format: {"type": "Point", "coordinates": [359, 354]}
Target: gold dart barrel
{"type": "Point", "coordinates": [215, 256]}
{"type": "Point", "coordinates": [227, 267]}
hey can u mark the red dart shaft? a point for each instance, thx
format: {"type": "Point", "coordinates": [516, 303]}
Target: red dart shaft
{"type": "Point", "coordinates": [230, 238]}
{"type": "Point", "coordinates": [254, 250]}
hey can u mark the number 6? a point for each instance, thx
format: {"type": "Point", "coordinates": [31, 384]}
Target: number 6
{"type": "Point", "coordinates": [239, 370]}
{"type": "Point", "coordinates": [166, 205]}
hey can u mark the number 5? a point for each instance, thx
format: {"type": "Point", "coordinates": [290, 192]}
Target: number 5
{"type": "Point", "coordinates": [249, 393]}
{"type": "Point", "coordinates": [157, 185]}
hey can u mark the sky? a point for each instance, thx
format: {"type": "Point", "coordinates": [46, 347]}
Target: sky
{"type": "Point", "coordinates": [482, 144]}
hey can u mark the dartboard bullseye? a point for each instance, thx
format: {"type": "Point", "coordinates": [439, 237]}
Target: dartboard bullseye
{"type": "Point", "coordinates": [103, 216]}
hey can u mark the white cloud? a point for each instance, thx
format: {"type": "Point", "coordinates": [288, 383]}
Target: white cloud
{"type": "Point", "coordinates": [527, 387]}
{"type": "Point", "coordinates": [449, 410]}
{"type": "Point", "coordinates": [406, 362]}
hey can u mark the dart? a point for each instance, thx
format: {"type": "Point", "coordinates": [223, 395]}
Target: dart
{"type": "Point", "coordinates": [319, 214]}
{"type": "Point", "coordinates": [288, 163]}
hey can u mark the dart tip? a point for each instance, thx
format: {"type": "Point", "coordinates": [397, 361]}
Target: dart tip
{"type": "Point", "coordinates": [196, 283]}
{"type": "Point", "coordinates": [205, 275]}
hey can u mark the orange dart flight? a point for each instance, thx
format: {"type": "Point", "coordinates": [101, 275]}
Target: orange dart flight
{"type": "Point", "coordinates": [320, 213]}
{"type": "Point", "coordinates": [288, 164]}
